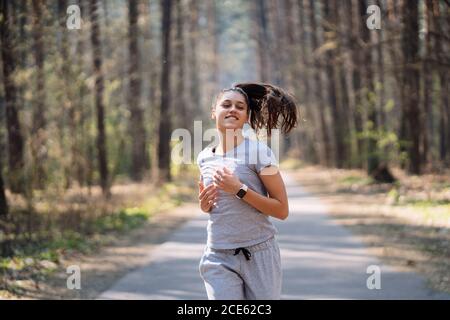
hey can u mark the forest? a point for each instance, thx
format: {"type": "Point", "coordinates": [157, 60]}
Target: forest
{"type": "Point", "coordinates": [91, 92]}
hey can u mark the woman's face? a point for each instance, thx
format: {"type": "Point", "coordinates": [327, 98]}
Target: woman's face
{"type": "Point", "coordinates": [230, 111]}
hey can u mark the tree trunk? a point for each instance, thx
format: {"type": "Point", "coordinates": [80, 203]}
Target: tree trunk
{"type": "Point", "coordinates": [440, 56]}
{"type": "Point", "coordinates": [380, 88]}
{"type": "Point", "coordinates": [192, 60]}
{"type": "Point", "coordinates": [372, 151]}
{"type": "Point", "coordinates": [84, 162]}
{"type": "Point", "coordinates": [329, 25]}
{"type": "Point", "coordinates": [341, 69]}
{"type": "Point", "coordinates": [153, 108]}
{"type": "Point", "coordinates": [22, 51]}
{"type": "Point", "coordinates": [262, 39]}
{"type": "Point", "coordinates": [306, 134]}
{"type": "Point", "coordinates": [346, 78]}
{"type": "Point", "coordinates": [165, 120]}
{"type": "Point", "coordinates": [304, 74]}
{"type": "Point", "coordinates": [184, 118]}
{"type": "Point", "coordinates": [3, 201]}
{"type": "Point", "coordinates": [325, 157]}
{"type": "Point", "coordinates": [137, 130]}
{"type": "Point", "coordinates": [427, 71]}
{"type": "Point", "coordinates": [213, 31]}
{"type": "Point", "coordinates": [445, 111]}
{"type": "Point", "coordinates": [445, 88]}
{"type": "Point", "coordinates": [394, 52]}
{"type": "Point", "coordinates": [39, 134]}
{"type": "Point", "coordinates": [356, 57]}
{"type": "Point", "coordinates": [411, 85]}
{"type": "Point", "coordinates": [99, 87]}
{"type": "Point", "coordinates": [68, 98]}
{"type": "Point", "coordinates": [291, 63]}
{"type": "Point", "coordinates": [278, 56]}
{"type": "Point", "coordinates": [15, 139]}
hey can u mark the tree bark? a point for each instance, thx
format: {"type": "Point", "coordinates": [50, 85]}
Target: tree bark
{"type": "Point", "coordinates": [366, 66]}
{"type": "Point", "coordinates": [194, 79]}
{"type": "Point", "coordinates": [213, 32]}
{"type": "Point", "coordinates": [411, 85]}
{"type": "Point", "coordinates": [84, 168]}
{"type": "Point", "coordinates": [325, 157]}
{"type": "Point", "coordinates": [341, 69]}
{"type": "Point", "coordinates": [185, 117]}
{"type": "Point", "coordinates": [137, 130]}
{"type": "Point", "coordinates": [444, 110]}
{"type": "Point", "coordinates": [68, 106]}
{"type": "Point", "coordinates": [307, 139]}
{"type": "Point", "coordinates": [165, 120]}
{"type": "Point", "coordinates": [278, 56]}
{"type": "Point", "coordinates": [304, 74]}
{"type": "Point", "coordinates": [356, 57]}
{"type": "Point", "coordinates": [427, 71]}
{"type": "Point", "coordinates": [262, 39]}
{"type": "Point", "coordinates": [329, 25]}
{"type": "Point", "coordinates": [99, 87]}
{"type": "Point", "coordinates": [39, 134]}
{"type": "Point", "coordinates": [3, 202]}
{"type": "Point", "coordinates": [15, 139]}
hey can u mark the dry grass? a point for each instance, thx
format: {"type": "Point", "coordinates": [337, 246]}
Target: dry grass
{"type": "Point", "coordinates": [75, 223]}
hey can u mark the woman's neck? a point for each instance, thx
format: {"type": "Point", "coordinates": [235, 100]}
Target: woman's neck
{"type": "Point", "coordinates": [229, 141]}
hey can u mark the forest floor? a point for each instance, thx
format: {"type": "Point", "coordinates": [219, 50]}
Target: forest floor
{"type": "Point", "coordinates": [406, 224]}
{"type": "Point", "coordinates": [105, 265]}
{"type": "Point", "coordinates": [105, 238]}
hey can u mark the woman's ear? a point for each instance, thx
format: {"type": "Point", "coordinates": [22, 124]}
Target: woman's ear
{"type": "Point", "coordinates": [213, 113]}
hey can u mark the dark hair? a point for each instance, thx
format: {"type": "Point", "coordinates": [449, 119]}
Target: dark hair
{"type": "Point", "coordinates": [266, 103]}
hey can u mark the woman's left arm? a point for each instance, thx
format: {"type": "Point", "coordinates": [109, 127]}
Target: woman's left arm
{"type": "Point", "coordinates": [276, 205]}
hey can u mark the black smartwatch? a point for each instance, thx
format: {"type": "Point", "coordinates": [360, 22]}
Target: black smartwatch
{"type": "Point", "coordinates": [242, 191]}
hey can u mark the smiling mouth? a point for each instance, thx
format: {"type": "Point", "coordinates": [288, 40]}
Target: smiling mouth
{"type": "Point", "coordinates": [229, 117]}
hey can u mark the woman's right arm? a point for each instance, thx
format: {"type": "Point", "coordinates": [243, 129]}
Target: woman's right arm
{"type": "Point", "coordinates": [207, 196]}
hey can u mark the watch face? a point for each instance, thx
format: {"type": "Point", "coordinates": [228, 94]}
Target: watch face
{"type": "Point", "coordinates": [241, 193]}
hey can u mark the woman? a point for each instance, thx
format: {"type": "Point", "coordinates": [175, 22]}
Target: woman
{"type": "Point", "coordinates": [240, 187]}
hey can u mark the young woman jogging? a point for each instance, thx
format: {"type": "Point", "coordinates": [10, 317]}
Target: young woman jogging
{"type": "Point", "coordinates": [240, 187]}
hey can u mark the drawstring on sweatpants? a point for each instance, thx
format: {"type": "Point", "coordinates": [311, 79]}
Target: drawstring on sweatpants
{"type": "Point", "coordinates": [245, 251]}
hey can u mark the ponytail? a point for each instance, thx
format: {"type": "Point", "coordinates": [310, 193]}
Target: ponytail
{"type": "Point", "coordinates": [266, 104]}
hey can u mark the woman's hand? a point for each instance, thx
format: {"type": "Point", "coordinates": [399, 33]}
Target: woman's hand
{"type": "Point", "coordinates": [207, 196]}
{"type": "Point", "coordinates": [227, 181]}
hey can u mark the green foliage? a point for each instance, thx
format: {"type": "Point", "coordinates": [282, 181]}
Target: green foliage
{"type": "Point", "coordinates": [394, 195]}
{"type": "Point", "coordinates": [429, 203]}
{"type": "Point", "coordinates": [398, 199]}
{"type": "Point", "coordinates": [354, 179]}
{"type": "Point", "coordinates": [389, 106]}
{"type": "Point", "coordinates": [124, 220]}
{"type": "Point", "coordinates": [388, 146]}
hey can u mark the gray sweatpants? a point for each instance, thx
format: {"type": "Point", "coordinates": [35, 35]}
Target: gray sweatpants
{"type": "Point", "coordinates": [232, 277]}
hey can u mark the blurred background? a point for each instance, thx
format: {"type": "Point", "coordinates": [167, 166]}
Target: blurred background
{"type": "Point", "coordinates": [90, 95]}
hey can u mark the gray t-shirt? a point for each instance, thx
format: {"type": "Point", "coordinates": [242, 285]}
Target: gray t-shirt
{"type": "Point", "coordinates": [234, 223]}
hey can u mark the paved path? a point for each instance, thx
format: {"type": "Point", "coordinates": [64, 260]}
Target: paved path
{"type": "Point", "coordinates": [321, 260]}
